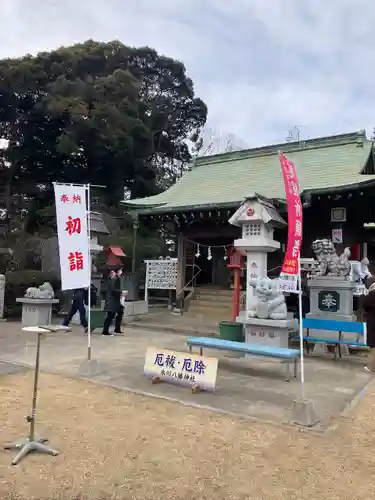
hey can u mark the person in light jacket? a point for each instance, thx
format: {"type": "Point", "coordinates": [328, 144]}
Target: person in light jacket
{"type": "Point", "coordinates": [368, 305]}
{"type": "Point", "coordinates": [112, 305]}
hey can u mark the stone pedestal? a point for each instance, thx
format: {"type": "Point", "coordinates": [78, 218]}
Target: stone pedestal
{"type": "Point", "coordinates": [36, 312]}
{"type": "Point", "coordinates": [331, 298]}
{"type": "Point", "coordinates": [304, 413]}
{"type": "Point", "coordinates": [266, 331]}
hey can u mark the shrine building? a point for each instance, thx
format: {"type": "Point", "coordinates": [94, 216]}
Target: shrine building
{"type": "Point", "coordinates": [337, 179]}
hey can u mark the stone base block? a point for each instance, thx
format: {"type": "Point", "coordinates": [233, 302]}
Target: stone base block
{"type": "Point", "coordinates": [320, 349]}
{"type": "Point", "coordinates": [134, 309]}
{"type": "Point", "coordinates": [266, 331]}
{"type": "Point", "coordinates": [344, 350]}
{"type": "Point", "coordinates": [89, 368]}
{"type": "Point", "coordinates": [303, 413]}
{"type": "Point", "coordinates": [36, 312]}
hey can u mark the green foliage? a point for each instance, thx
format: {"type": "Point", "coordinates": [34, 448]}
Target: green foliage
{"type": "Point", "coordinates": [16, 284]}
{"type": "Point", "coordinates": [94, 112]}
{"type": "Point", "coordinates": [150, 243]}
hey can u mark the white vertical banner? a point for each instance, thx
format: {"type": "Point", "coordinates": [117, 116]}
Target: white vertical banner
{"type": "Point", "coordinates": [72, 231]}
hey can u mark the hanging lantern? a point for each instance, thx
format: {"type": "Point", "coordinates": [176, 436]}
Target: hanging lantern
{"type": "Point", "coordinates": [225, 253]}
{"type": "Point", "coordinates": [209, 255]}
{"type": "Point", "coordinates": [198, 254]}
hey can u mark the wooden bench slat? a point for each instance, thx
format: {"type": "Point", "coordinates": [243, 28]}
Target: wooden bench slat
{"type": "Point", "coordinates": [334, 325]}
{"type": "Point", "coordinates": [255, 349]}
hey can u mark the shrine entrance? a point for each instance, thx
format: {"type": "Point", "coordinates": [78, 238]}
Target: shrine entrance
{"type": "Point", "coordinates": [212, 262]}
{"type": "Point", "coordinates": [205, 277]}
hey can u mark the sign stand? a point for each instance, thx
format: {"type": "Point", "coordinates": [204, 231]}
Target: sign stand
{"type": "Point", "coordinates": [195, 389]}
{"type": "Point", "coordinates": [90, 366]}
{"type": "Point", "coordinates": [303, 412]}
{"type": "Point", "coordinates": [68, 205]}
{"type": "Point", "coordinates": [33, 443]}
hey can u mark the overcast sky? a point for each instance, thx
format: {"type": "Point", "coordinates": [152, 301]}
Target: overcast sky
{"type": "Point", "coordinates": [262, 66]}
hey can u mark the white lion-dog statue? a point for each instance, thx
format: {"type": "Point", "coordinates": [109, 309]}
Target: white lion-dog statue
{"type": "Point", "coordinates": [44, 291]}
{"type": "Point", "coordinates": [267, 302]}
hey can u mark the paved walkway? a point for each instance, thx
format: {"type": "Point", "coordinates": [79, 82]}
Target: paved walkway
{"type": "Point", "coordinates": [248, 387]}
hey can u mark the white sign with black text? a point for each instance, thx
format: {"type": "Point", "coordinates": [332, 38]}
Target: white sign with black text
{"type": "Point", "coordinates": [72, 231]}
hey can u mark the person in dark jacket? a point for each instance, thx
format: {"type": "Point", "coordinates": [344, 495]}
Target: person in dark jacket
{"type": "Point", "coordinates": [80, 296]}
{"type": "Point", "coordinates": [368, 305]}
{"type": "Point", "coordinates": [112, 306]}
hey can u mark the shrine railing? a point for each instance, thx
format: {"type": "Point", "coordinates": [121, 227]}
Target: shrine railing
{"type": "Point", "coordinates": [190, 285]}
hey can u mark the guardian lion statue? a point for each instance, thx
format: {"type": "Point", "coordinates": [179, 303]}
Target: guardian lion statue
{"type": "Point", "coordinates": [331, 264]}
{"type": "Point", "coordinates": [267, 302]}
{"type": "Point", "coordinates": [44, 291]}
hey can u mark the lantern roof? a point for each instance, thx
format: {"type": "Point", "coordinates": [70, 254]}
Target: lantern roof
{"type": "Point", "coordinates": [255, 208]}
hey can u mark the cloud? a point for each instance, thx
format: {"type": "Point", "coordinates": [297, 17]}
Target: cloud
{"type": "Point", "coordinates": [261, 66]}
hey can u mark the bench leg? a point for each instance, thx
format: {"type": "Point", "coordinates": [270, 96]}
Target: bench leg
{"type": "Point", "coordinates": [340, 354]}
{"type": "Point", "coordinates": [189, 348]}
{"type": "Point", "coordinates": [306, 346]}
{"type": "Point", "coordinates": [287, 379]}
{"type": "Point", "coordinates": [335, 352]}
{"type": "Point", "coordinates": [200, 351]}
{"type": "Point", "coordinates": [295, 367]}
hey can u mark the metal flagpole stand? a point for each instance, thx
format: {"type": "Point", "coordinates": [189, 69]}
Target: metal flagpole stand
{"type": "Point", "coordinates": [302, 358]}
{"type": "Point", "coordinates": [90, 272]}
{"type": "Point", "coordinates": [303, 412]}
{"type": "Point", "coordinates": [89, 367]}
{"type": "Point", "coordinates": [33, 443]}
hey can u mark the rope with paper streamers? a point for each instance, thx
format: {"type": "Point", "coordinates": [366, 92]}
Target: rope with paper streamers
{"type": "Point", "coordinates": [198, 246]}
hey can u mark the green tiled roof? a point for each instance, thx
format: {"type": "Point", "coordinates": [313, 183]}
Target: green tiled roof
{"type": "Point", "coordinates": [324, 164]}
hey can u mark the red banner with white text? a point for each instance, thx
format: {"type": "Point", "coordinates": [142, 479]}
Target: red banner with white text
{"type": "Point", "coordinates": [290, 268]}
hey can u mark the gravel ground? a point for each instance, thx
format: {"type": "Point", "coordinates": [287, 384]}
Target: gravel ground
{"type": "Point", "coordinates": [116, 445]}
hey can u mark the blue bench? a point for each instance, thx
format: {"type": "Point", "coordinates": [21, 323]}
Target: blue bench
{"type": "Point", "coordinates": [341, 327]}
{"type": "Point", "coordinates": [289, 355]}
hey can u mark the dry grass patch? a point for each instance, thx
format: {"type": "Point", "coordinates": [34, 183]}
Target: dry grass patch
{"type": "Point", "coordinates": [116, 445]}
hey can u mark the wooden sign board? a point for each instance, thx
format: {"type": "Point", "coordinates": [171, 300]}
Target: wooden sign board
{"type": "Point", "coordinates": [181, 368]}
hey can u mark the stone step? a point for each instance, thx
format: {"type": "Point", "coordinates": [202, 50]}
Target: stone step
{"type": "Point", "coordinates": [214, 291]}
{"type": "Point", "coordinates": [220, 299]}
{"type": "Point", "coordinates": [210, 304]}
{"type": "Point", "coordinates": [211, 317]}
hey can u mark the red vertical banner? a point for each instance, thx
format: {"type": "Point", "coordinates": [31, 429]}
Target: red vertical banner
{"type": "Point", "coordinates": [290, 269]}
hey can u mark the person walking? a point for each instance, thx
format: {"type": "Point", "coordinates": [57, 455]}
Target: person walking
{"type": "Point", "coordinates": [368, 305]}
{"type": "Point", "coordinates": [112, 305]}
{"type": "Point", "coordinates": [78, 304]}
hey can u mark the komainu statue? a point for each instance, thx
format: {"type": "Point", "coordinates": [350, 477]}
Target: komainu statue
{"type": "Point", "coordinates": [44, 291]}
{"type": "Point", "coordinates": [331, 264]}
{"type": "Point", "coordinates": [267, 302]}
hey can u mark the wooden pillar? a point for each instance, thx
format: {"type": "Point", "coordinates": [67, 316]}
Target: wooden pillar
{"type": "Point", "coordinates": [181, 268]}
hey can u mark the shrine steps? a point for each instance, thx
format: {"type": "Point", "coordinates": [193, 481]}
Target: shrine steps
{"type": "Point", "coordinates": [212, 305]}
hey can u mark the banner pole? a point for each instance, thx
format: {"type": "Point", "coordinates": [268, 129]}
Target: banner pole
{"type": "Point", "coordinates": [90, 269]}
{"type": "Point", "coordinates": [301, 330]}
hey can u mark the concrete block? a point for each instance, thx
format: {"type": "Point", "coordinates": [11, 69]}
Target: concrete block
{"type": "Point", "coordinates": [89, 368]}
{"type": "Point", "coordinates": [36, 312]}
{"type": "Point", "coordinates": [320, 349]}
{"type": "Point", "coordinates": [303, 413]}
{"type": "Point", "coordinates": [128, 309]}
{"type": "Point", "coordinates": [140, 307]}
{"type": "Point", "coordinates": [344, 350]}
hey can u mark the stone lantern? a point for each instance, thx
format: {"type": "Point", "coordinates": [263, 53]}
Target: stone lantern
{"type": "Point", "coordinates": [257, 218]}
